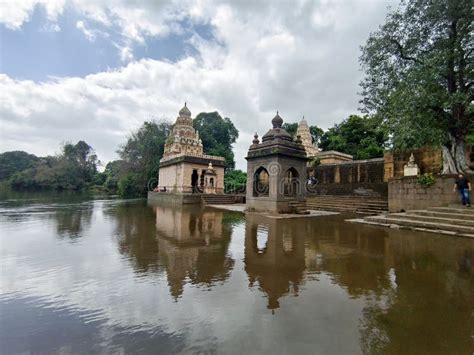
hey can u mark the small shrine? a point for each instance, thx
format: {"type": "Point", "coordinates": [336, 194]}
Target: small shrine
{"type": "Point", "coordinates": [411, 168]}
{"type": "Point", "coordinates": [276, 171]}
{"type": "Point", "coordinates": [184, 167]}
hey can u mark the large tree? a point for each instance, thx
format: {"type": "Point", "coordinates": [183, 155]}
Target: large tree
{"type": "Point", "coordinates": [419, 77]}
{"type": "Point", "coordinates": [141, 158]}
{"type": "Point", "coordinates": [217, 135]}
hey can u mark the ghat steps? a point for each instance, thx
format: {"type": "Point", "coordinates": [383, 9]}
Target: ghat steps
{"type": "Point", "coordinates": [348, 203]}
{"type": "Point", "coordinates": [298, 207]}
{"type": "Point", "coordinates": [215, 199]}
{"type": "Point", "coordinates": [445, 220]}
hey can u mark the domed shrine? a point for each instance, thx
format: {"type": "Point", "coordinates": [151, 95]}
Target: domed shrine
{"type": "Point", "coordinates": [276, 172]}
{"type": "Point", "coordinates": [184, 167]}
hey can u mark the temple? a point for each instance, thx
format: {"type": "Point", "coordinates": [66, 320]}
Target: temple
{"type": "Point", "coordinates": [313, 151]}
{"type": "Point", "coordinates": [306, 139]}
{"type": "Point", "coordinates": [276, 172]}
{"type": "Point", "coordinates": [184, 167]}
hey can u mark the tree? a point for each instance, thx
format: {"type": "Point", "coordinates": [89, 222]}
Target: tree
{"type": "Point", "coordinates": [141, 157]}
{"type": "Point", "coordinates": [291, 128]}
{"type": "Point", "coordinates": [316, 134]}
{"type": "Point", "coordinates": [358, 136]}
{"type": "Point", "coordinates": [217, 135]}
{"type": "Point", "coordinates": [74, 169]}
{"type": "Point", "coordinates": [14, 162]}
{"type": "Point", "coordinates": [419, 77]}
{"type": "Point", "coordinates": [235, 181]}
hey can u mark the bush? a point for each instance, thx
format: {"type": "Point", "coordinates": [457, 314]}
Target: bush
{"type": "Point", "coordinates": [426, 180]}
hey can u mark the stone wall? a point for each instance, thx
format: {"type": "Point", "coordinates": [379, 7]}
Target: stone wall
{"type": "Point", "coordinates": [177, 177]}
{"type": "Point", "coordinates": [345, 178]}
{"type": "Point", "coordinates": [429, 160]}
{"type": "Point", "coordinates": [404, 193]}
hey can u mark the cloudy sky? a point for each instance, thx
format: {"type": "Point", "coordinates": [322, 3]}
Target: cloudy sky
{"type": "Point", "coordinates": [96, 69]}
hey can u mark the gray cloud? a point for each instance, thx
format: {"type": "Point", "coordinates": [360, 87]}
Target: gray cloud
{"type": "Point", "coordinates": [300, 58]}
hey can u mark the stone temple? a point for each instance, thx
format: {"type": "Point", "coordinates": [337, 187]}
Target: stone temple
{"type": "Point", "coordinates": [276, 172]}
{"type": "Point", "coordinates": [306, 139]}
{"type": "Point", "coordinates": [184, 167]}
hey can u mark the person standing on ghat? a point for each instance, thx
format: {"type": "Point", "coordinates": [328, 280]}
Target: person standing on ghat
{"type": "Point", "coordinates": [463, 185]}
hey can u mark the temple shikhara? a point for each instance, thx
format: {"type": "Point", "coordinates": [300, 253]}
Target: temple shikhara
{"type": "Point", "coordinates": [184, 167]}
{"type": "Point", "coordinates": [306, 139]}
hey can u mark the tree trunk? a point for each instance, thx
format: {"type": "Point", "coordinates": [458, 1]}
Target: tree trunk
{"type": "Point", "coordinates": [454, 158]}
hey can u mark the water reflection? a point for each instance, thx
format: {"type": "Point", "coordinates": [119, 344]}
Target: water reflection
{"type": "Point", "coordinates": [278, 263]}
{"type": "Point", "coordinates": [193, 246]}
{"type": "Point", "coordinates": [163, 279]}
{"type": "Point", "coordinates": [135, 235]}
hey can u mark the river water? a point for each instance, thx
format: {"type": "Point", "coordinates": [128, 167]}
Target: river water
{"type": "Point", "coordinates": [113, 276]}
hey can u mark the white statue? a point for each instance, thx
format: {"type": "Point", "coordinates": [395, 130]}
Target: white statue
{"type": "Point", "coordinates": [411, 168]}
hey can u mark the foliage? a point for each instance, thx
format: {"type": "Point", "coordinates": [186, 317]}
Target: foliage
{"type": "Point", "coordinates": [426, 180]}
{"type": "Point", "coordinates": [235, 181]}
{"type": "Point", "coordinates": [14, 162]}
{"type": "Point", "coordinates": [217, 135]}
{"type": "Point", "coordinates": [291, 128]}
{"type": "Point", "coordinates": [74, 169]}
{"type": "Point", "coordinates": [358, 136]}
{"type": "Point", "coordinates": [129, 186]}
{"type": "Point", "coordinates": [140, 159]}
{"type": "Point", "coordinates": [419, 76]}
{"type": "Point", "coordinates": [316, 134]}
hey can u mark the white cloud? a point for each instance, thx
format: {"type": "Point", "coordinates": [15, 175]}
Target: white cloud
{"type": "Point", "coordinates": [14, 13]}
{"type": "Point", "coordinates": [299, 58]}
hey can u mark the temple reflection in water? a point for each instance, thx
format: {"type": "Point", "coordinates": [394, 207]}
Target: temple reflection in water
{"type": "Point", "coordinates": [274, 257]}
{"type": "Point", "coordinates": [193, 245]}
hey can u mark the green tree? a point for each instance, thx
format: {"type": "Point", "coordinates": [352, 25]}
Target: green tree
{"type": "Point", "coordinates": [235, 181]}
{"type": "Point", "coordinates": [14, 162]}
{"type": "Point", "coordinates": [358, 136]}
{"type": "Point", "coordinates": [290, 128]}
{"type": "Point", "coordinates": [74, 169]}
{"type": "Point", "coordinates": [419, 77]}
{"type": "Point", "coordinates": [316, 134]}
{"type": "Point", "coordinates": [217, 135]}
{"type": "Point", "coordinates": [141, 158]}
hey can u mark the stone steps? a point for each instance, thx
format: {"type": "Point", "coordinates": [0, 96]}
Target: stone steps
{"type": "Point", "coordinates": [463, 210]}
{"type": "Point", "coordinates": [436, 219]}
{"type": "Point", "coordinates": [430, 213]}
{"type": "Point", "coordinates": [298, 207]}
{"type": "Point", "coordinates": [351, 203]}
{"type": "Point", "coordinates": [218, 199]}
{"type": "Point", "coordinates": [405, 221]}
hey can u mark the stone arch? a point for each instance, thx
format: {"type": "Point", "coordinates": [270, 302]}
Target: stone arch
{"type": "Point", "coordinates": [261, 182]}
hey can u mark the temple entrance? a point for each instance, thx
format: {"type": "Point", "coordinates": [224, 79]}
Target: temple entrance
{"type": "Point", "coordinates": [261, 182]}
{"type": "Point", "coordinates": [292, 182]}
{"type": "Point", "coordinates": [194, 181]}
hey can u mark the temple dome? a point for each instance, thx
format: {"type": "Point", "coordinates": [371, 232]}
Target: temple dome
{"type": "Point", "coordinates": [277, 121]}
{"type": "Point", "coordinates": [185, 111]}
{"type": "Point", "coordinates": [277, 131]}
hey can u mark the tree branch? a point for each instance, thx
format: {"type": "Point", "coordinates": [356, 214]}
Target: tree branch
{"type": "Point", "coordinates": [402, 53]}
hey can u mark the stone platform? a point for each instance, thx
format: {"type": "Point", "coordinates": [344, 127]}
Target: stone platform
{"type": "Point", "coordinates": [456, 221]}
{"type": "Point", "coordinates": [174, 199]}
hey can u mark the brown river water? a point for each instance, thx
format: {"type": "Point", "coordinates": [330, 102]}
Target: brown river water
{"type": "Point", "coordinates": [111, 276]}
